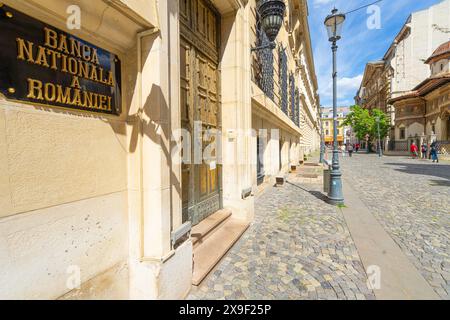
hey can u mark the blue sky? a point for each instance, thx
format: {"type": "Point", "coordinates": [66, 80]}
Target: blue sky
{"type": "Point", "coordinates": [359, 44]}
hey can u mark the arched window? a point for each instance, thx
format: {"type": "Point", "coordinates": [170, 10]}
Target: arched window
{"type": "Point", "coordinates": [402, 133]}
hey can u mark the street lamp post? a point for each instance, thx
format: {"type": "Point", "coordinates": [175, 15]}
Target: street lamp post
{"type": "Point", "coordinates": [368, 145]}
{"type": "Point", "coordinates": [380, 152]}
{"type": "Point", "coordinates": [334, 23]}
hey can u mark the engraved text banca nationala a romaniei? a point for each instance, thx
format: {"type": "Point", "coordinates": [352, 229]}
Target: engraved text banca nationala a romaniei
{"type": "Point", "coordinates": [68, 56]}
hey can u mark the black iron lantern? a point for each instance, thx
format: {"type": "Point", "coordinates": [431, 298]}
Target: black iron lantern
{"type": "Point", "coordinates": [334, 23]}
{"type": "Point", "coordinates": [271, 14]}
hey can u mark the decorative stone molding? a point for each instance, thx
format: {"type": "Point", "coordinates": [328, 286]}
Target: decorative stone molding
{"type": "Point", "coordinates": [112, 19]}
{"type": "Point", "coordinates": [267, 107]}
{"type": "Point", "coordinates": [228, 6]}
{"type": "Point", "coordinates": [408, 122]}
{"type": "Point", "coordinates": [445, 113]}
{"type": "Point", "coordinates": [432, 118]}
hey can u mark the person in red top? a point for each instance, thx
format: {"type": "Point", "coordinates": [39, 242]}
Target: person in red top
{"type": "Point", "coordinates": [414, 151]}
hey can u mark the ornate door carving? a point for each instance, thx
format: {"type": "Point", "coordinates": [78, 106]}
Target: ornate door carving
{"type": "Point", "coordinates": [200, 107]}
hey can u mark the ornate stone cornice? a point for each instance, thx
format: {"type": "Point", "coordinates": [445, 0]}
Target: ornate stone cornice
{"type": "Point", "coordinates": [228, 6]}
{"type": "Point", "coordinates": [113, 19]}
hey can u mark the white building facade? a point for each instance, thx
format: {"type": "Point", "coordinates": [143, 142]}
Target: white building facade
{"type": "Point", "coordinates": [402, 67]}
{"type": "Point", "coordinates": [423, 32]}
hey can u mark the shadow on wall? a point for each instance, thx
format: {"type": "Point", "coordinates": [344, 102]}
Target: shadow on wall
{"type": "Point", "coordinates": [155, 111]}
{"type": "Point", "coordinates": [156, 128]}
{"type": "Point", "coordinates": [437, 170]}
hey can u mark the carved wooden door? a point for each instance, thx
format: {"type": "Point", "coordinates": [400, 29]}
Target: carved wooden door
{"type": "Point", "coordinates": [448, 128]}
{"type": "Point", "coordinates": [200, 108]}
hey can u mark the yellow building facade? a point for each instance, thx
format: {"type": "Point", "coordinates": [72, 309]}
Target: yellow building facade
{"type": "Point", "coordinates": [328, 126]}
{"type": "Point", "coordinates": [97, 200]}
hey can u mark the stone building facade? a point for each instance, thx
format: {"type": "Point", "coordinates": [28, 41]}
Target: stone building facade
{"type": "Point", "coordinates": [422, 115]}
{"type": "Point", "coordinates": [402, 67]}
{"type": "Point", "coordinates": [285, 80]}
{"type": "Point", "coordinates": [375, 88]}
{"type": "Point", "coordinates": [96, 205]}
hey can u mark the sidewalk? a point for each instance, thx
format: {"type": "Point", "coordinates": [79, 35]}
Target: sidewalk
{"type": "Point", "coordinates": [298, 247]}
{"type": "Point", "coordinates": [398, 278]}
{"type": "Point", "coordinates": [410, 199]}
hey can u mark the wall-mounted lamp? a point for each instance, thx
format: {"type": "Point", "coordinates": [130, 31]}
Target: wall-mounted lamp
{"type": "Point", "coordinates": [271, 15]}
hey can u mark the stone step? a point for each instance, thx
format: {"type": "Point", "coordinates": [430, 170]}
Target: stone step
{"type": "Point", "coordinates": [312, 164]}
{"type": "Point", "coordinates": [308, 175]}
{"type": "Point", "coordinates": [309, 169]}
{"type": "Point", "coordinates": [211, 251]}
{"type": "Point", "coordinates": [201, 231]}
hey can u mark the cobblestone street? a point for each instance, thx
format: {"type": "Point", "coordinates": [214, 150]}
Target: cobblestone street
{"type": "Point", "coordinates": [411, 200]}
{"type": "Point", "coordinates": [298, 248]}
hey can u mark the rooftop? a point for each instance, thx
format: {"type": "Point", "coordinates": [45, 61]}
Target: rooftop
{"type": "Point", "coordinates": [442, 51]}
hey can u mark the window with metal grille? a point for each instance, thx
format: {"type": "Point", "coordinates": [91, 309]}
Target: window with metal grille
{"type": "Point", "coordinates": [264, 71]}
{"type": "Point", "coordinates": [297, 107]}
{"type": "Point", "coordinates": [292, 97]}
{"type": "Point", "coordinates": [283, 74]}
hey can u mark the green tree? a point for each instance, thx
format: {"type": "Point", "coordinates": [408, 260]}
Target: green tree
{"type": "Point", "coordinates": [384, 124]}
{"type": "Point", "coordinates": [364, 123]}
{"type": "Point", "coordinates": [360, 121]}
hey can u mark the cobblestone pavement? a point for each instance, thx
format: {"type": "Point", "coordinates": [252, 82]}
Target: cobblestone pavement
{"type": "Point", "coordinates": [297, 248]}
{"type": "Point", "coordinates": [411, 199]}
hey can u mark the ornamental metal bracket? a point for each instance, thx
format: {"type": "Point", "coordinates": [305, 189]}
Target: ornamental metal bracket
{"type": "Point", "coordinates": [271, 45]}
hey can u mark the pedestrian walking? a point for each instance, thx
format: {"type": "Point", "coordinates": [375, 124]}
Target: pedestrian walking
{"type": "Point", "coordinates": [358, 146]}
{"type": "Point", "coordinates": [414, 151]}
{"type": "Point", "coordinates": [343, 147]}
{"type": "Point", "coordinates": [434, 152]}
{"type": "Point", "coordinates": [350, 150]}
{"type": "Point", "coordinates": [424, 151]}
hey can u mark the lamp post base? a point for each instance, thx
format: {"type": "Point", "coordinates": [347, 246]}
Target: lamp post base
{"type": "Point", "coordinates": [336, 197]}
{"type": "Point", "coordinates": [335, 202]}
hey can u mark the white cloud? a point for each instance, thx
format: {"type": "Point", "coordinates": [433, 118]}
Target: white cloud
{"type": "Point", "coordinates": [346, 87]}
{"type": "Point", "coordinates": [350, 84]}
{"type": "Point", "coordinates": [358, 44]}
{"type": "Point", "coordinates": [321, 2]}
